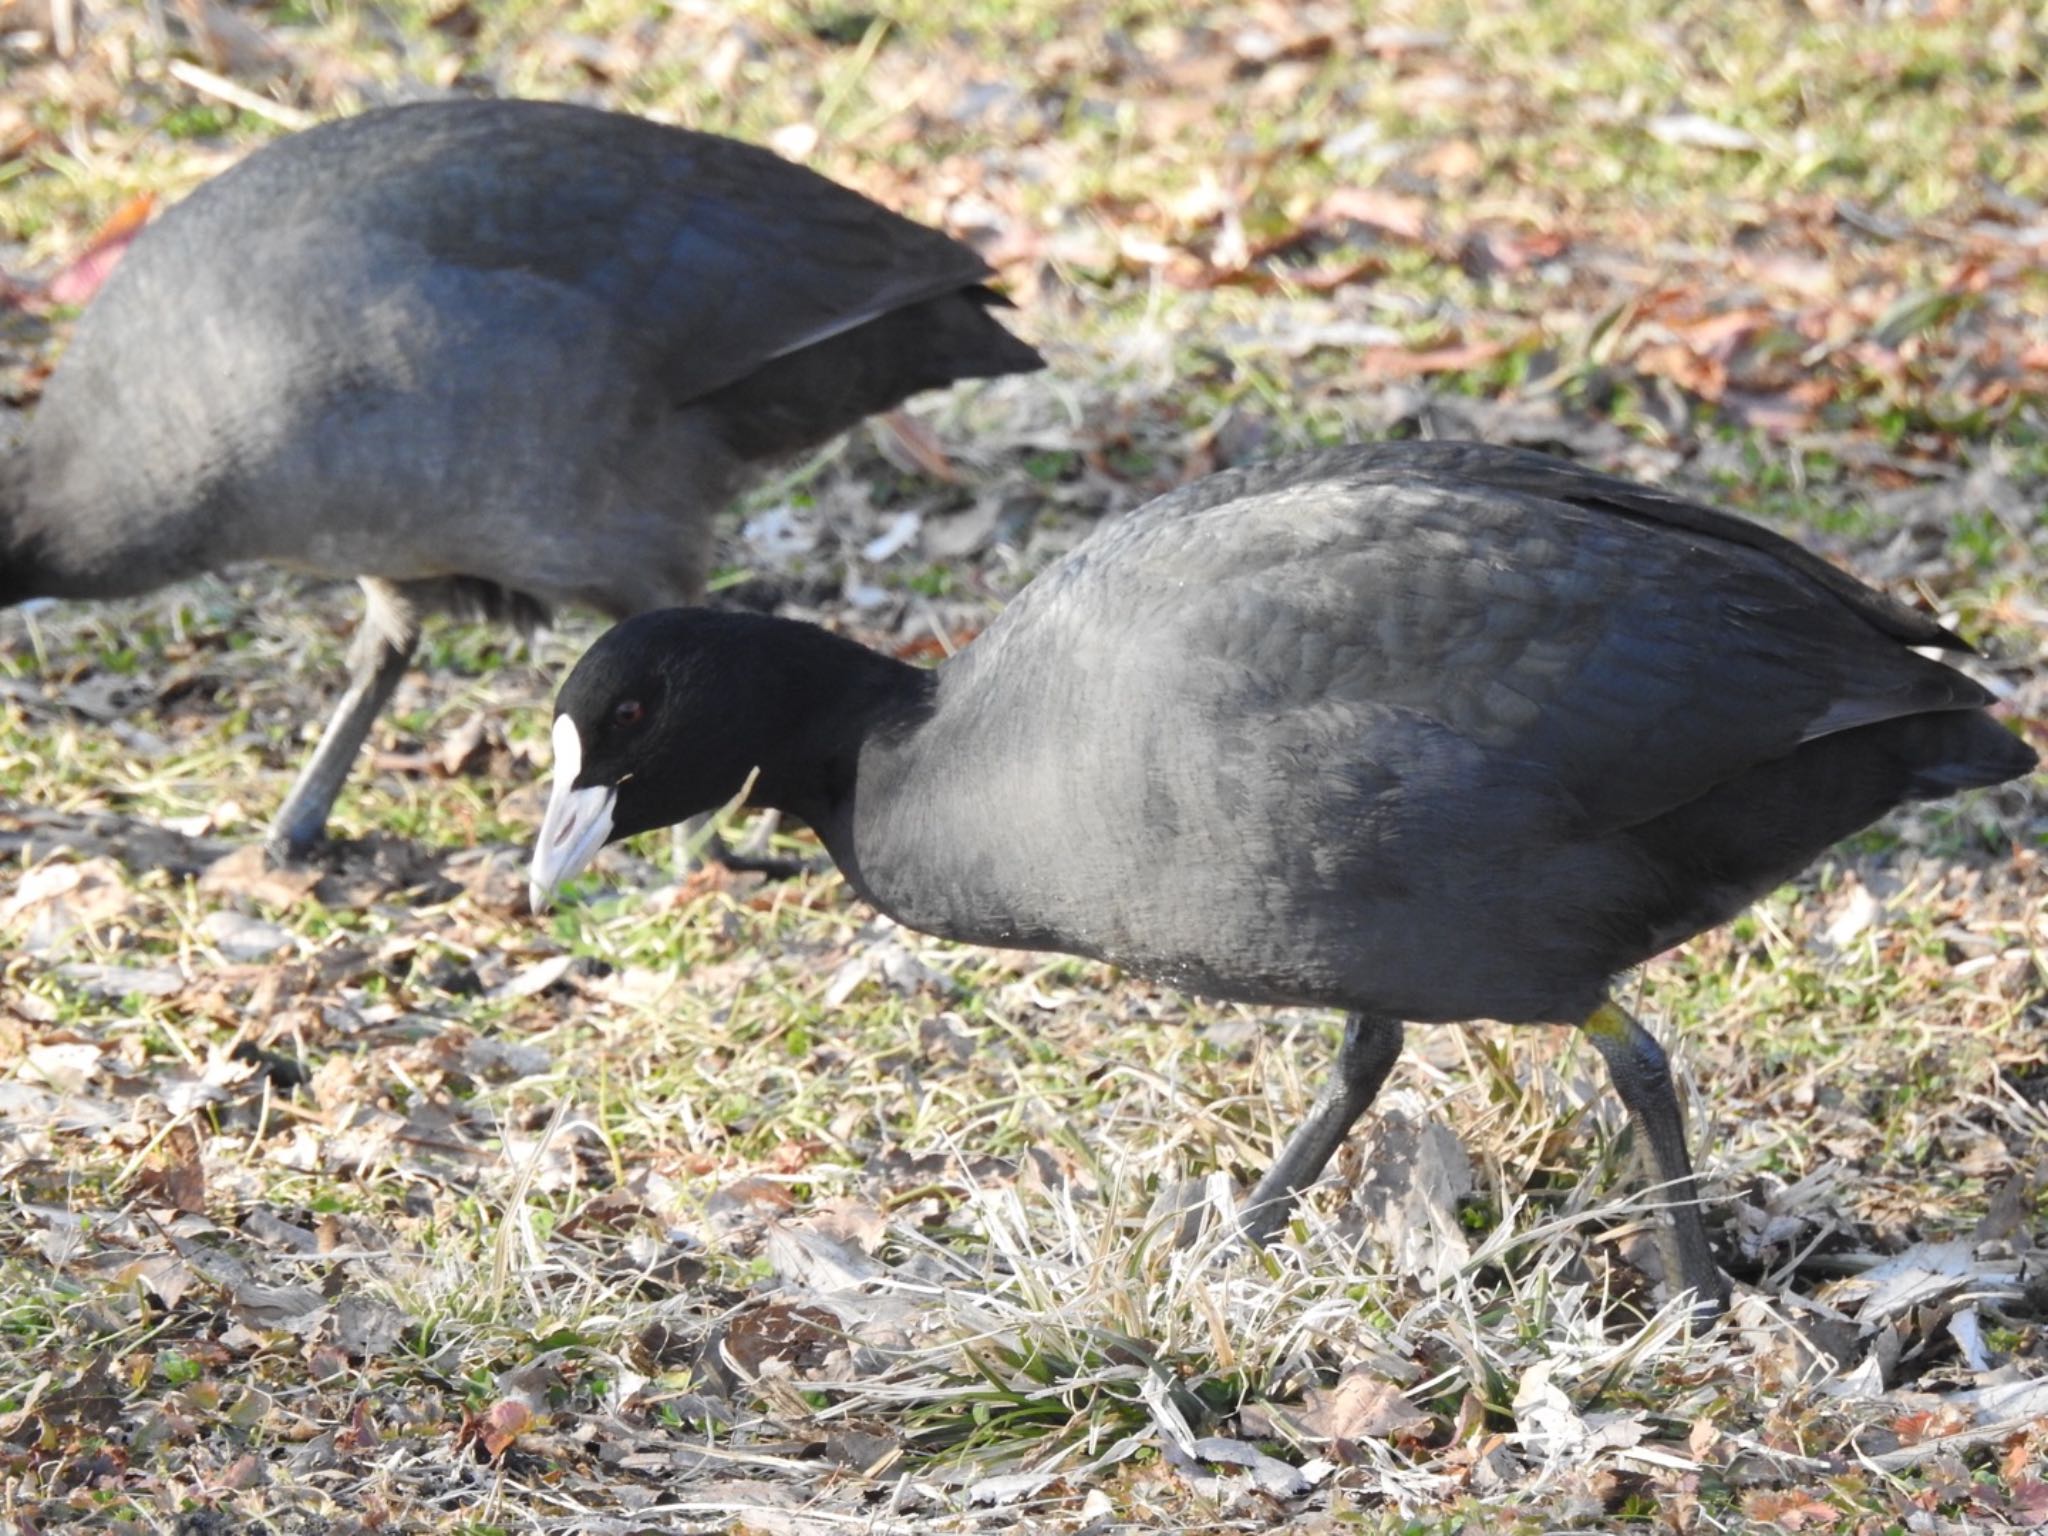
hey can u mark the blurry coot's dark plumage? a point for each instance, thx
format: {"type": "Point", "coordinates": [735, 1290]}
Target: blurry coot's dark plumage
{"type": "Point", "coordinates": [1424, 732]}
{"type": "Point", "coordinates": [500, 354]}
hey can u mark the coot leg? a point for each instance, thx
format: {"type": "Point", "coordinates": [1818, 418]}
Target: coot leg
{"type": "Point", "coordinates": [1367, 1055]}
{"type": "Point", "coordinates": [380, 661]}
{"type": "Point", "coordinates": [752, 856]}
{"type": "Point", "coordinates": [1642, 1076]}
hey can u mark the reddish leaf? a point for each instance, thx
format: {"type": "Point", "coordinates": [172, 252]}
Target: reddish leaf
{"type": "Point", "coordinates": [793, 1156]}
{"type": "Point", "coordinates": [927, 647]}
{"type": "Point", "coordinates": [79, 281]}
{"type": "Point", "coordinates": [507, 1419]}
{"type": "Point", "coordinates": [1405, 218]}
{"type": "Point", "coordinates": [778, 1331]}
{"type": "Point", "coordinates": [1935, 1424]}
{"type": "Point", "coordinates": [923, 449]}
{"type": "Point", "coordinates": [1718, 336]}
{"type": "Point", "coordinates": [1400, 363]}
{"type": "Point", "coordinates": [1688, 369]}
{"type": "Point", "coordinates": [1792, 1509]}
{"type": "Point", "coordinates": [752, 1190]}
{"type": "Point", "coordinates": [1499, 250]}
{"type": "Point", "coordinates": [2030, 1501]}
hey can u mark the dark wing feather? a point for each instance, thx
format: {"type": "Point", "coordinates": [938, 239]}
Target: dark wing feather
{"type": "Point", "coordinates": [1630, 649]}
{"type": "Point", "coordinates": [1484, 466]}
{"type": "Point", "coordinates": [720, 256]}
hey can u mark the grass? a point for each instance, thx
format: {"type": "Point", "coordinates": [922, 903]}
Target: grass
{"type": "Point", "coordinates": [711, 1204]}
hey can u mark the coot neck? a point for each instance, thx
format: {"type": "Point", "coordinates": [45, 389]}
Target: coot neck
{"type": "Point", "coordinates": [848, 713]}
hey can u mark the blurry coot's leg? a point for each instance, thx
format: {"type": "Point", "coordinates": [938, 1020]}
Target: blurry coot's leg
{"type": "Point", "coordinates": [752, 856]}
{"type": "Point", "coordinates": [1642, 1076]}
{"type": "Point", "coordinates": [383, 649]}
{"type": "Point", "coordinates": [1371, 1045]}
{"type": "Point", "coordinates": [759, 836]}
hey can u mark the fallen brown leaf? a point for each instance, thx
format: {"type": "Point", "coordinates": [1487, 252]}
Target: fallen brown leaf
{"type": "Point", "coordinates": [1361, 1406]}
{"type": "Point", "coordinates": [921, 447]}
{"type": "Point", "coordinates": [504, 1422]}
{"type": "Point", "coordinates": [1792, 1510]}
{"type": "Point", "coordinates": [1391, 213]}
{"type": "Point", "coordinates": [1400, 363]}
{"type": "Point", "coordinates": [247, 872]}
{"type": "Point", "coordinates": [176, 1175]}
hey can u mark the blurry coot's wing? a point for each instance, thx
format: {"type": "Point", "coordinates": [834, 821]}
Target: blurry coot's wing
{"type": "Point", "coordinates": [727, 255]}
{"type": "Point", "coordinates": [1634, 662]}
{"type": "Point", "coordinates": [717, 255]}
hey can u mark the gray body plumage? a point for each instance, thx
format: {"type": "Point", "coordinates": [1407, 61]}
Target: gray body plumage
{"type": "Point", "coordinates": [1435, 732]}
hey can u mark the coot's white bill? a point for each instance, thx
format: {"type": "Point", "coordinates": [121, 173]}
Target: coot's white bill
{"type": "Point", "coordinates": [577, 820]}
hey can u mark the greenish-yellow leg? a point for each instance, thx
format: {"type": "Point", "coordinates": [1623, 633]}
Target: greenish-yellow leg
{"type": "Point", "coordinates": [1642, 1077]}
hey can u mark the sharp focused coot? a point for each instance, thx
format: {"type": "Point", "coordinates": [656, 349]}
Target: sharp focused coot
{"type": "Point", "coordinates": [1423, 732]}
{"type": "Point", "coordinates": [492, 354]}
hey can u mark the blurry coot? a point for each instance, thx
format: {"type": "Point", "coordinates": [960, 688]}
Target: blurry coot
{"type": "Point", "coordinates": [495, 355]}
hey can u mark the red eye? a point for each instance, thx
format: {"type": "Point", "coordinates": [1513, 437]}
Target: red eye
{"type": "Point", "coordinates": [628, 712]}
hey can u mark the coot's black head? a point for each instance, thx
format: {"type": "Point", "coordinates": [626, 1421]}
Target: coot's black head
{"type": "Point", "coordinates": [670, 714]}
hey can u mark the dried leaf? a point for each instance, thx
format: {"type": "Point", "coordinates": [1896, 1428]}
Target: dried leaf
{"type": "Point", "coordinates": [1361, 1406]}
{"type": "Point", "coordinates": [176, 1174]}
{"type": "Point", "coordinates": [53, 902]}
{"type": "Point", "coordinates": [2030, 1502]}
{"type": "Point", "coordinates": [366, 1329]}
{"type": "Point", "coordinates": [504, 1422]}
{"type": "Point", "coordinates": [1547, 1422]}
{"type": "Point", "coordinates": [230, 42]}
{"type": "Point", "coordinates": [533, 979]}
{"type": "Point", "coordinates": [1452, 160]}
{"type": "Point", "coordinates": [247, 873]}
{"type": "Point", "coordinates": [1391, 213]}
{"type": "Point", "coordinates": [86, 272]}
{"type": "Point", "coordinates": [464, 748]}
{"type": "Point", "coordinates": [65, 1065]}
{"type": "Point", "coordinates": [777, 1331]}
{"type": "Point", "coordinates": [1009, 1487]}
{"type": "Point", "coordinates": [811, 1261]}
{"type": "Point", "coordinates": [923, 449]}
{"type": "Point", "coordinates": [1925, 1273]}
{"type": "Point", "coordinates": [92, 1399]}
{"type": "Point", "coordinates": [121, 981]}
{"type": "Point", "coordinates": [1790, 1509]}
{"type": "Point", "coordinates": [1400, 363]}
{"type": "Point", "coordinates": [1270, 1475]}
{"type": "Point", "coordinates": [459, 21]}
